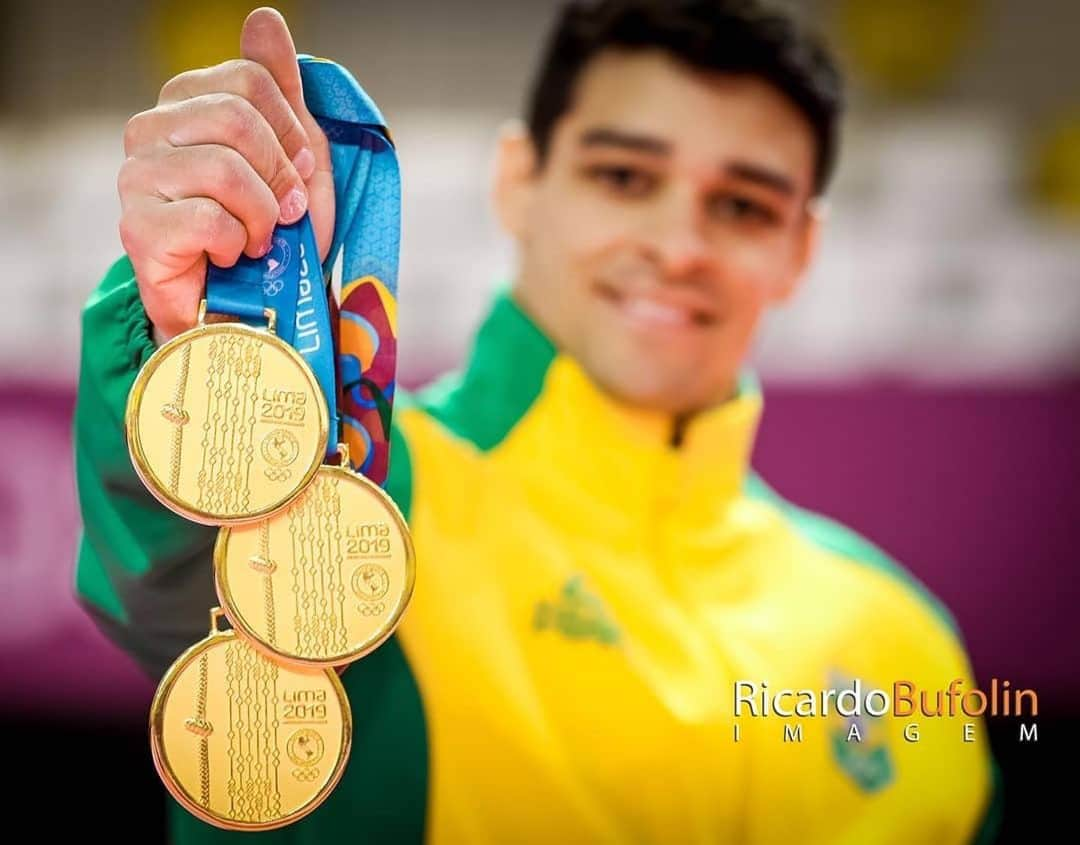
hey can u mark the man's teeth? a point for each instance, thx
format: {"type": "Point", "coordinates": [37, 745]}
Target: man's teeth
{"type": "Point", "coordinates": [656, 312]}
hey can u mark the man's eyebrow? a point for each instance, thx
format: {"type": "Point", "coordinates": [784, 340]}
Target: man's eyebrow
{"type": "Point", "coordinates": [764, 176]}
{"type": "Point", "coordinates": [606, 136]}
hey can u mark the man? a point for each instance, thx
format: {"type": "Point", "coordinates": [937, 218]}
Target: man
{"type": "Point", "coordinates": [598, 567]}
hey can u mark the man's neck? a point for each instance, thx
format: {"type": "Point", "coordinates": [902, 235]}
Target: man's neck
{"type": "Point", "coordinates": [680, 420]}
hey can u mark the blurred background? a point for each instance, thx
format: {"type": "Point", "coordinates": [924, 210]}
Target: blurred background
{"type": "Point", "coordinates": [924, 387]}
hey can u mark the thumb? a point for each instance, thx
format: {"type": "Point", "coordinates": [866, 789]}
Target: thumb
{"type": "Point", "coordinates": [265, 38]}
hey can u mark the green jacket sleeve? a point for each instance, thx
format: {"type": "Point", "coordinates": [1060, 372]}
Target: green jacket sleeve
{"type": "Point", "coordinates": [143, 573]}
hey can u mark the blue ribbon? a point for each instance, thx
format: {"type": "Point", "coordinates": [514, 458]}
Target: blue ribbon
{"type": "Point", "coordinates": [367, 185]}
{"type": "Point", "coordinates": [367, 226]}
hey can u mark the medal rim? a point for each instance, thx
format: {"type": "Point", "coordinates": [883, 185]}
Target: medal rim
{"type": "Point", "coordinates": [172, 783]}
{"type": "Point", "coordinates": [244, 628]}
{"type": "Point", "coordinates": [134, 438]}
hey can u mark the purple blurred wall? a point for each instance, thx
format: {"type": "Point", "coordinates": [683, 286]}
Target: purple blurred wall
{"type": "Point", "coordinates": [976, 489]}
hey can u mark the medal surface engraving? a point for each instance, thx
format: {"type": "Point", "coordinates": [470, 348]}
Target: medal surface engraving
{"type": "Point", "coordinates": [323, 581]}
{"type": "Point", "coordinates": [226, 423]}
{"type": "Point", "coordinates": [244, 743]}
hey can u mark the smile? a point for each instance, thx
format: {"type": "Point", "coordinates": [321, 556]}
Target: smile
{"type": "Point", "coordinates": [656, 312]}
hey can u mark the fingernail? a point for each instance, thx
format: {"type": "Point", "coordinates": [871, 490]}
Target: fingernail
{"type": "Point", "coordinates": [265, 246]}
{"type": "Point", "coordinates": [293, 206]}
{"type": "Point", "coordinates": [304, 162]}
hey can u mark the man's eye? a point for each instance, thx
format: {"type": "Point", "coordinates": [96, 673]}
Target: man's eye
{"type": "Point", "coordinates": [743, 209]}
{"type": "Point", "coordinates": [626, 181]}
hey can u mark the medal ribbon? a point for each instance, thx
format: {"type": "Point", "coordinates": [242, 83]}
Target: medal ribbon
{"type": "Point", "coordinates": [367, 229]}
{"type": "Point", "coordinates": [367, 226]}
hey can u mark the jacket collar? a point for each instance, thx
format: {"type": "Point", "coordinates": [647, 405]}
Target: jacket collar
{"type": "Point", "coordinates": [520, 387]}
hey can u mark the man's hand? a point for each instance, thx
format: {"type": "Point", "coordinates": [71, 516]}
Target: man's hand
{"type": "Point", "coordinates": [228, 152]}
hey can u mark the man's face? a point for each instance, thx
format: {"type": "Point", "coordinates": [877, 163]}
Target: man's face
{"type": "Point", "coordinates": [672, 208]}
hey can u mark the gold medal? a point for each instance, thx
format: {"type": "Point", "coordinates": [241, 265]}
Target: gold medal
{"type": "Point", "coordinates": [226, 423]}
{"type": "Point", "coordinates": [323, 581]}
{"type": "Point", "coordinates": [244, 743]}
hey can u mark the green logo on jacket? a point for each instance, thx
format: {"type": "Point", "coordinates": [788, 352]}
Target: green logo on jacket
{"type": "Point", "coordinates": [577, 614]}
{"type": "Point", "coordinates": [858, 744]}
{"type": "Point", "coordinates": [869, 766]}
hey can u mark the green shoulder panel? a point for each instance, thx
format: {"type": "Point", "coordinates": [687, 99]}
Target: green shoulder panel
{"type": "Point", "coordinates": [990, 827]}
{"type": "Point", "coordinates": [834, 537]}
{"type": "Point", "coordinates": [115, 343]}
{"type": "Point", "coordinates": [504, 376]}
{"type": "Point", "coordinates": [399, 481]}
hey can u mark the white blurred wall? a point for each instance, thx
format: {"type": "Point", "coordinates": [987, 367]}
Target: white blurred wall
{"type": "Point", "coordinates": [934, 263]}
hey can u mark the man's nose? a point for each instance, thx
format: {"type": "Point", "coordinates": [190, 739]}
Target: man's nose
{"type": "Point", "coordinates": [679, 238]}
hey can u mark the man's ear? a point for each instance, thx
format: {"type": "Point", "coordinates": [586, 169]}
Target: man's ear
{"type": "Point", "coordinates": [514, 181]}
{"type": "Point", "coordinates": [805, 250]}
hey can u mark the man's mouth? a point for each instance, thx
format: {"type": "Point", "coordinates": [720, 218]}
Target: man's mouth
{"type": "Point", "coordinates": [658, 310]}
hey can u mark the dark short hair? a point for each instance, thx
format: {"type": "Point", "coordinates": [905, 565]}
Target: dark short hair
{"type": "Point", "coordinates": [740, 37]}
